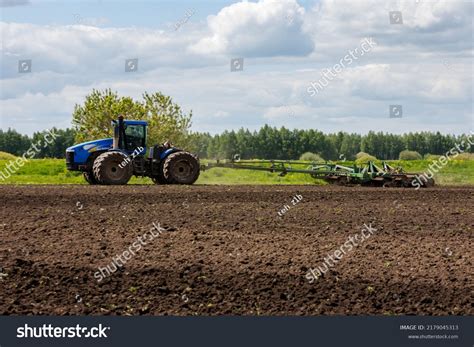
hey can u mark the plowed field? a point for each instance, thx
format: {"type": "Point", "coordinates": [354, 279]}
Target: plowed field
{"type": "Point", "coordinates": [227, 250]}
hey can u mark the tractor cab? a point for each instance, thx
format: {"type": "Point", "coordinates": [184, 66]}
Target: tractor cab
{"type": "Point", "coordinates": [130, 135]}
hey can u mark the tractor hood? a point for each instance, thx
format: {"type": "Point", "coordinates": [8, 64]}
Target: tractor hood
{"type": "Point", "coordinates": [92, 146]}
{"type": "Point", "coordinates": [83, 150]}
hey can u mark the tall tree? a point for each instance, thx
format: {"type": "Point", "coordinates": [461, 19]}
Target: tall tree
{"type": "Point", "coordinates": [92, 119]}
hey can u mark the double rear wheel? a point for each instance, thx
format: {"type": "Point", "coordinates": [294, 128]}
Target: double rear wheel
{"type": "Point", "coordinates": [178, 168]}
{"type": "Point", "coordinates": [112, 168]}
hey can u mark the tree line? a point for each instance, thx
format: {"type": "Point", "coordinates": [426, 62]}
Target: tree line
{"type": "Point", "coordinates": [267, 143]}
{"type": "Point", "coordinates": [273, 143]}
{"type": "Point", "coordinates": [15, 143]}
{"type": "Point", "coordinates": [167, 121]}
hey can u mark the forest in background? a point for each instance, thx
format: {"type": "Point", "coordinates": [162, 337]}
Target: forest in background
{"type": "Point", "coordinates": [269, 143]}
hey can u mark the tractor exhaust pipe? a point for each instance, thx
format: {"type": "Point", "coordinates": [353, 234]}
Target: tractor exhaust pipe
{"type": "Point", "coordinates": [118, 134]}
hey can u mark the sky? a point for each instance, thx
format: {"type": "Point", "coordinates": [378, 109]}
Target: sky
{"type": "Point", "coordinates": [331, 65]}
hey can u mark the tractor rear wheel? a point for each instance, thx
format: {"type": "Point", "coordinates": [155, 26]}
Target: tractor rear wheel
{"type": "Point", "coordinates": [89, 177]}
{"type": "Point", "coordinates": [160, 179]}
{"type": "Point", "coordinates": [111, 168]}
{"type": "Point", "coordinates": [181, 168]}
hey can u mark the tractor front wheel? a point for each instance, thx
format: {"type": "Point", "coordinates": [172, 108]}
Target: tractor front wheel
{"type": "Point", "coordinates": [112, 168]}
{"type": "Point", "coordinates": [89, 177]}
{"type": "Point", "coordinates": [181, 168]}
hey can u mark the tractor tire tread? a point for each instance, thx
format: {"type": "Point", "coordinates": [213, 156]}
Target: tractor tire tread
{"type": "Point", "coordinates": [90, 178]}
{"type": "Point", "coordinates": [98, 172]}
{"type": "Point", "coordinates": [167, 167]}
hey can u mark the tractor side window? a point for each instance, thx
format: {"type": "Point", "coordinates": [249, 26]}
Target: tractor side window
{"type": "Point", "coordinates": [135, 137]}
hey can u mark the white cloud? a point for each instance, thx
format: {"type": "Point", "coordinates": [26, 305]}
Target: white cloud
{"type": "Point", "coordinates": [422, 64]}
{"type": "Point", "coordinates": [286, 112]}
{"type": "Point", "coordinates": [262, 29]}
{"type": "Point", "coordinates": [428, 25]}
{"type": "Point", "coordinates": [90, 21]}
{"type": "Point", "coordinates": [83, 49]}
{"type": "Point", "coordinates": [221, 114]}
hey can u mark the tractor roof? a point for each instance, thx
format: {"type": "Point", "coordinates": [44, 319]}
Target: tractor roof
{"type": "Point", "coordinates": [135, 122]}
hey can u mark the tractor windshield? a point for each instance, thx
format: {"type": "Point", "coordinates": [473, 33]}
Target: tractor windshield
{"type": "Point", "coordinates": [134, 137]}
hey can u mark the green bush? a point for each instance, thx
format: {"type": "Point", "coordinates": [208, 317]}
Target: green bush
{"type": "Point", "coordinates": [308, 156]}
{"type": "Point", "coordinates": [431, 156]}
{"type": "Point", "coordinates": [363, 158]}
{"type": "Point", "coordinates": [409, 155]}
{"type": "Point", "coordinates": [361, 154]}
{"type": "Point", "coordinates": [6, 156]}
{"type": "Point", "coordinates": [465, 156]}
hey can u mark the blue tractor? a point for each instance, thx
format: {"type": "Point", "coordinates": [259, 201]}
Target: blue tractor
{"type": "Point", "coordinates": [114, 160]}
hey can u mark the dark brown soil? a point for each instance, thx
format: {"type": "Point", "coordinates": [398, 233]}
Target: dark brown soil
{"type": "Point", "coordinates": [226, 251]}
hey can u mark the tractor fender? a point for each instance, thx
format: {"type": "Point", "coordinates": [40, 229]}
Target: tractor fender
{"type": "Point", "coordinates": [92, 157]}
{"type": "Point", "coordinates": [168, 152]}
